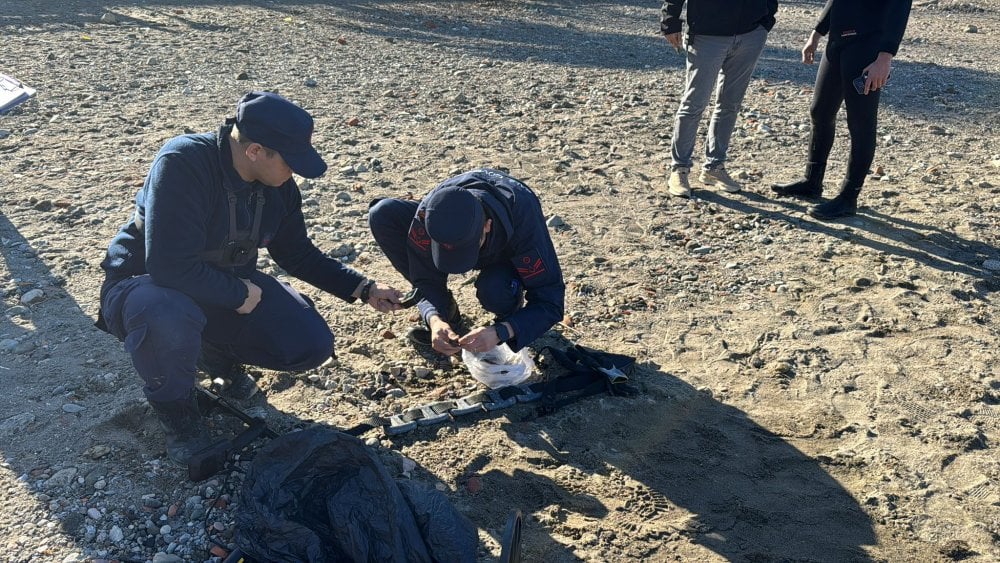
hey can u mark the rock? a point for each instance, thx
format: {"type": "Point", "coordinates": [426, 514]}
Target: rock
{"type": "Point", "coordinates": [8, 345]}
{"type": "Point", "coordinates": [32, 296]}
{"type": "Point", "coordinates": [310, 83]}
{"type": "Point", "coordinates": [473, 484]}
{"type": "Point", "coordinates": [243, 76]}
{"type": "Point", "coordinates": [555, 221]}
{"type": "Point", "coordinates": [109, 18]}
{"type": "Point", "coordinates": [354, 122]}
{"type": "Point", "coordinates": [116, 534]}
{"type": "Point", "coordinates": [16, 424]}
{"type": "Point", "coordinates": [61, 478]}
{"type": "Point", "coordinates": [24, 347]}
{"type": "Point", "coordinates": [4, 133]}
{"type": "Point", "coordinates": [343, 196]}
{"type": "Point", "coordinates": [169, 558]}
{"type": "Point", "coordinates": [73, 408]}
{"type": "Point", "coordinates": [971, 29]}
{"type": "Point", "coordinates": [94, 514]}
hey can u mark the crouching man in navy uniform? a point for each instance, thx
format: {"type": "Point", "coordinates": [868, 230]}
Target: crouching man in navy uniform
{"type": "Point", "coordinates": [481, 220]}
{"type": "Point", "coordinates": [182, 290]}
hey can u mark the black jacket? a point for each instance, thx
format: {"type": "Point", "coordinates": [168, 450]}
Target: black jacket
{"type": "Point", "coordinates": [718, 17]}
{"type": "Point", "coordinates": [849, 18]}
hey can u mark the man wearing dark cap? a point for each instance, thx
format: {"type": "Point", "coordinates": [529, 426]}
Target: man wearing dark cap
{"type": "Point", "coordinates": [482, 220]}
{"type": "Point", "coordinates": [182, 290]}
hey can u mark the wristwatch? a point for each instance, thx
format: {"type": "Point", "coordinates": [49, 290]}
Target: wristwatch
{"type": "Point", "coordinates": [502, 333]}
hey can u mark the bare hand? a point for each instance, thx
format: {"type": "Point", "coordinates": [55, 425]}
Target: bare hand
{"type": "Point", "coordinates": [253, 298]}
{"type": "Point", "coordinates": [674, 39]}
{"type": "Point", "coordinates": [480, 340]}
{"type": "Point", "coordinates": [384, 298]}
{"type": "Point", "coordinates": [809, 50]}
{"type": "Point", "coordinates": [443, 338]}
{"type": "Point", "coordinates": [878, 72]}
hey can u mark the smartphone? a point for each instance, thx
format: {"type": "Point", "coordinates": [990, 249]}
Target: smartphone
{"type": "Point", "coordinates": [859, 83]}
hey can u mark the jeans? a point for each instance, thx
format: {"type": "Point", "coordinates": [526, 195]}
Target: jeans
{"type": "Point", "coordinates": [163, 329]}
{"type": "Point", "coordinates": [714, 63]}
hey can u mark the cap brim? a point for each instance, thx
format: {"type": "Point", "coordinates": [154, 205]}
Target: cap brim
{"type": "Point", "coordinates": [456, 260]}
{"type": "Point", "coordinates": [308, 164]}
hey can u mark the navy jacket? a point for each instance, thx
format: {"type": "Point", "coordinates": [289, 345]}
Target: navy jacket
{"type": "Point", "coordinates": [718, 17]}
{"type": "Point", "coordinates": [519, 237]}
{"type": "Point", "coordinates": [849, 18]}
{"type": "Point", "coordinates": [182, 212]}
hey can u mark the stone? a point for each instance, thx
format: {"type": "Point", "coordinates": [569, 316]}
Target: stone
{"type": "Point", "coordinates": [17, 423]}
{"type": "Point", "coordinates": [73, 408]}
{"type": "Point", "coordinates": [32, 296]}
{"type": "Point", "coordinates": [109, 18]}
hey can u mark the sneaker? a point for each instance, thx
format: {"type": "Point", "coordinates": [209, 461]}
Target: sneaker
{"type": "Point", "coordinates": [719, 177]}
{"type": "Point", "coordinates": [677, 184]}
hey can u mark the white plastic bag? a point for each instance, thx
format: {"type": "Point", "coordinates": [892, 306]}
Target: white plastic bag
{"type": "Point", "coordinates": [500, 366]}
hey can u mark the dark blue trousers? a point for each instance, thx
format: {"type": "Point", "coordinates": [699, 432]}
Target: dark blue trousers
{"type": "Point", "coordinates": [163, 331]}
{"type": "Point", "coordinates": [498, 287]}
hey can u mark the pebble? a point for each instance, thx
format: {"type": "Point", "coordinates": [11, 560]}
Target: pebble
{"type": "Point", "coordinates": [73, 408]}
{"type": "Point", "coordinates": [94, 513]}
{"type": "Point", "coordinates": [8, 345]}
{"type": "Point", "coordinates": [555, 221]}
{"type": "Point", "coordinates": [109, 18]}
{"type": "Point", "coordinates": [61, 478]}
{"type": "Point", "coordinates": [971, 29]}
{"type": "Point", "coordinates": [162, 557]}
{"type": "Point", "coordinates": [32, 296]}
{"type": "Point", "coordinates": [4, 133]}
{"type": "Point", "coordinates": [116, 534]}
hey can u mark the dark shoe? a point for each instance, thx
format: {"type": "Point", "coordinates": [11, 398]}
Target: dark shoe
{"type": "Point", "coordinates": [182, 424]}
{"type": "Point", "coordinates": [810, 187]}
{"type": "Point", "coordinates": [419, 335]}
{"type": "Point", "coordinates": [803, 189]}
{"type": "Point", "coordinates": [844, 205]}
{"type": "Point", "coordinates": [237, 384]}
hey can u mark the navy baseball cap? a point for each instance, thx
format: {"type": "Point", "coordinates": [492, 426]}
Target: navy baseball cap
{"type": "Point", "coordinates": [454, 219]}
{"type": "Point", "coordinates": [280, 125]}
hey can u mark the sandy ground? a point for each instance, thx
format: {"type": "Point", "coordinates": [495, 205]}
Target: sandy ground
{"type": "Point", "coordinates": [806, 391]}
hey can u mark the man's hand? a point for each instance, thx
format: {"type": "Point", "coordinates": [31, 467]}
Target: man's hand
{"type": "Point", "coordinates": [480, 340]}
{"type": "Point", "coordinates": [809, 50]}
{"type": "Point", "coordinates": [384, 298]}
{"type": "Point", "coordinates": [253, 298]}
{"type": "Point", "coordinates": [878, 72]}
{"type": "Point", "coordinates": [443, 338]}
{"type": "Point", "coordinates": [674, 39]}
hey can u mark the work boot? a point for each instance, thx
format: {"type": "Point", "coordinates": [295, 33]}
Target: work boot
{"type": "Point", "coordinates": [420, 335]}
{"type": "Point", "coordinates": [182, 425]}
{"type": "Point", "coordinates": [844, 205]}
{"type": "Point", "coordinates": [677, 184]}
{"type": "Point", "coordinates": [720, 178]}
{"type": "Point", "coordinates": [237, 385]}
{"type": "Point", "coordinates": [810, 187]}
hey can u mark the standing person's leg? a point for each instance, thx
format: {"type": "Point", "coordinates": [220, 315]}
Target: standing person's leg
{"type": "Point", "coordinates": [827, 98]}
{"type": "Point", "coordinates": [284, 332]}
{"type": "Point", "coordinates": [862, 123]}
{"type": "Point", "coordinates": [161, 329]}
{"type": "Point", "coordinates": [704, 59]}
{"type": "Point", "coordinates": [737, 69]}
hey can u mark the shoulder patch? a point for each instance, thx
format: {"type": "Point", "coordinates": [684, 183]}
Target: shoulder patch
{"type": "Point", "coordinates": [418, 236]}
{"type": "Point", "coordinates": [530, 265]}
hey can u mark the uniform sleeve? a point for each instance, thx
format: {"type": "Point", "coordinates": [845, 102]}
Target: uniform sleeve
{"type": "Point", "coordinates": [295, 252]}
{"type": "Point", "coordinates": [177, 212]}
{"type": "Point", "coordinates": [534, 259]}
{"type": "Point", "coordinates": [670, 16]}
{"type": "Point", "coordinates": [897, 15]}
{"type": "Point", "coordinates": [823, 24]}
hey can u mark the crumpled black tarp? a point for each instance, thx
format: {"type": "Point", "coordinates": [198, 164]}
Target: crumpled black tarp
{"type": "Point", "coordinates": [320, 496]}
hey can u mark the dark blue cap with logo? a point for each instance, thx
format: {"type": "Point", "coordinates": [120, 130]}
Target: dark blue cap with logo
{"type": "Point", "coordinates": [282, 126]}
{"type": "Point", "coordinates": [454, 218]}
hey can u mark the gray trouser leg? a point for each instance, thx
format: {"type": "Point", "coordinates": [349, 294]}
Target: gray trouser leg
{"type": "Point", "coordinates": [726, 62]}
{"type": "Point", "coordinates": [737, 68]}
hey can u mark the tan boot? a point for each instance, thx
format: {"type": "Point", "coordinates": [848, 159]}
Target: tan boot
{"type": "Point", "coordinates": [678, 184]}
{"type": "Point", "coordinates": [720, 178]}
